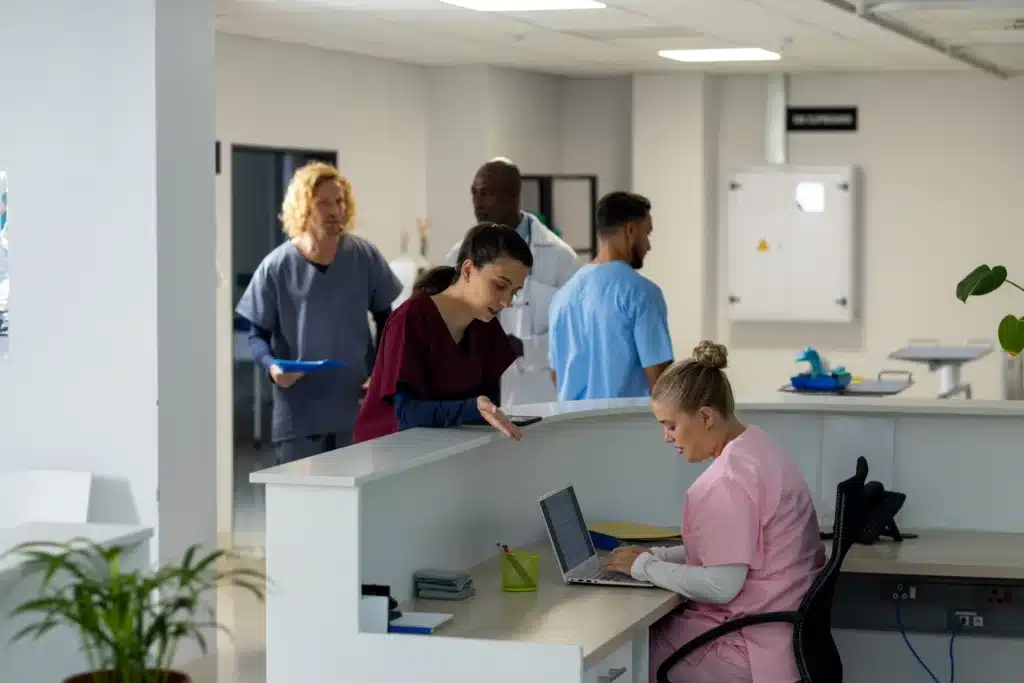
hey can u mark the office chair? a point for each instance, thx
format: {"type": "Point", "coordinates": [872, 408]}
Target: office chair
{"type": "Point", "coordinates": [817, 657]}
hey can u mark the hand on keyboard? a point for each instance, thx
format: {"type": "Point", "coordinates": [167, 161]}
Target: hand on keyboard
{"type": "Point", "coordinates": [621, 559]}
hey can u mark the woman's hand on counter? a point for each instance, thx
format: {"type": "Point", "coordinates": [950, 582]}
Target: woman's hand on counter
{"type": "Point", "coordinates": [497, 419]}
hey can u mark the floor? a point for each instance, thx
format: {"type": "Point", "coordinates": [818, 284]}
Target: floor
{"type": "Point", "coordinates": [240, 657]}
{"type": "Point", "coordinates": [249, 525]}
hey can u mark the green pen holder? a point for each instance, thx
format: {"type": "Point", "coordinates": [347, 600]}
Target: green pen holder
{"type": "Point", "coordinates": [519, 572]}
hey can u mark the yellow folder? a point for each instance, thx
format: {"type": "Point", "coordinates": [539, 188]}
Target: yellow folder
{"type": "Point", "coordinates": [631, 531]}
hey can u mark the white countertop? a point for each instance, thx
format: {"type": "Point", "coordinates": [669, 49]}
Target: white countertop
{"type": "Point", "coordinates": [356, 465]}
{"type": "Point", "coordinates": [49, 532]}
{"type": "Point", "coordinates": [595, 618]}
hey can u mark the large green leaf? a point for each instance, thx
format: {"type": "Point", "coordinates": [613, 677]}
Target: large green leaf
{"type": "Point", "coordinates": [980, 281]}
{"type": "Point", "coordinates": [1011, 334]}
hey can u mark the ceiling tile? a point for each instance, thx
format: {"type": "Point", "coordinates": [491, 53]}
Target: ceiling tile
{"type": "Point", "coordinates": [586, 20]}
{"type": "Point", "coordinates": [1008, 56]}
{"type": "Point", "coordinates": [364, 5]}
{"type": "Point", "coordinates": [953, 23]}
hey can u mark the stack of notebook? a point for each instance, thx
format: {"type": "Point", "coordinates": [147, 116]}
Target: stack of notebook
{"type": "Point", "coordinates": [610, 535]}
{"type": "Point", "coordinates": [443, 584]}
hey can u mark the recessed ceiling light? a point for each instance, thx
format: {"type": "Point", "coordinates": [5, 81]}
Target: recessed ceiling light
{"type": "Point", "coordinates": [728, 54]}
{"type": "Point", "coordinates": [524, 5]}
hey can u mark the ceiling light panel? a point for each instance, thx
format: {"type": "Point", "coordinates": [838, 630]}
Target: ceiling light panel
{"type": "Point", "coordinates": [727, 54]}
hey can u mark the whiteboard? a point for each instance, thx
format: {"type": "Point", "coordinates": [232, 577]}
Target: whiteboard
{"type": "Point", "coordinates": [790, 244]}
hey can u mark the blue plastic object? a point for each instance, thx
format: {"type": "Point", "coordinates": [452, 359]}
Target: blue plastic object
{"type": "Point", "coordinates": [817, 379]}
{"type": "Point", "coordinates": [810, 355]}
{"type": "Point", "coordinates": [831, 382]}
{"type": "Point", "coordinates": [307, 365]}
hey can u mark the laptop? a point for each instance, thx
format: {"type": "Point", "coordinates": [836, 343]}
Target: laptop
{"type": "Point", "coordinates": [574, 549]}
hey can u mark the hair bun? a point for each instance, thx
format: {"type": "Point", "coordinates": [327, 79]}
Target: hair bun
{"type": "Point", "coordinates": [708, 354]}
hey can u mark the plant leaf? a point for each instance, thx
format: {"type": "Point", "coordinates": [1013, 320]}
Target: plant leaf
{"type": "Point", "coordinates": [1011, 334]}
{"type": "Point", "coordinates": [980, 281]}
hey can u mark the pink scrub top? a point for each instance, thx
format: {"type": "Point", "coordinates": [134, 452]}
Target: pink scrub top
{"type": "Point", "coordinates": [752, 506]}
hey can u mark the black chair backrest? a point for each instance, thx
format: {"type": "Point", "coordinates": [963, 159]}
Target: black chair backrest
{"type": "Point", "coordinates": [816, 653]}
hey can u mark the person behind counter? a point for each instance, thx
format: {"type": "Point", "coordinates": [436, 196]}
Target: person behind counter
{"type": "Point", "coordinates": [443, 351]}
{"type": "Point", "coordinates": [751, 541]}
{"type": "Point", "coordinates": [609, 323]}
{"type": "Point", "coordinates": [308, 300]}
{"type": "Point", "coordinates": [497, 198]}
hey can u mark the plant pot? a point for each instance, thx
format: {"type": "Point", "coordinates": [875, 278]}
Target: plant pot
{"type": "Point", "coordinates": [116, 677]}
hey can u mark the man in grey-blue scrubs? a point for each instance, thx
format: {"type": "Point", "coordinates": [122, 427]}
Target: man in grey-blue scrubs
{"type": "Point", "coordinates": [308, 300]}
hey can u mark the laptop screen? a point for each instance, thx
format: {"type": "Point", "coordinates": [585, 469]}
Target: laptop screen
{"type": "Point", "coordinates": [569, 534]}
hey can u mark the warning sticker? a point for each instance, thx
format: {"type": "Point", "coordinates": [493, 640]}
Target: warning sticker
{"type": "Point", "coordinates": [762, 245]}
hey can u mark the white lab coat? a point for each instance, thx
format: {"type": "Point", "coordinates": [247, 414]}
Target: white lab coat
{"type": "Point", "coordinates": [554, 262]}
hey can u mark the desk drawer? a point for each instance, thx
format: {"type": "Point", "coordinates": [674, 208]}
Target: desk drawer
{"type": "Point", "coordinates": [615, 668]}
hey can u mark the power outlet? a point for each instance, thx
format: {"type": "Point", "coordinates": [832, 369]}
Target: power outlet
{"type": "Point", "coordinates": [967, 621]}
{"type": "Point", "coordinates": [899, 591]}
{"type": "Point", "coordinates": [1000, 595]}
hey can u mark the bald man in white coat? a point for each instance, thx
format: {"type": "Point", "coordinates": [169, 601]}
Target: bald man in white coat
{"type": "Point", "coordinates": [496, 199]}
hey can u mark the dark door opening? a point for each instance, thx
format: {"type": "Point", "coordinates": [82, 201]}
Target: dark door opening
{"type": "Point", "coordinates": [259, 179]}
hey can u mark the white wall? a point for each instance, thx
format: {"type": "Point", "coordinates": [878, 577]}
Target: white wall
{"type": "Point", "coordinates": [458, 141]}
{"type": "Point", "coordinates": [372, 112]}
{"type": "Point", "coordinates": [672, 153]}
{"type": "Point", "coordinates": [942, 158]}
{"type": "Point", "coordinates": [111, 368]}
{"type": "Point", "coordinates": [411, 137]}
{"type": "Point", "coordinates": [546, 124]}
{"type": "Point", "coordinates": [597, 118]}
{"type": "Point", "coordinates": [526, 118]}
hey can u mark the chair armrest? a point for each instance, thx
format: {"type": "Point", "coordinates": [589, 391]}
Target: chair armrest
{"type": "Point", "coordinates": [721, 630]}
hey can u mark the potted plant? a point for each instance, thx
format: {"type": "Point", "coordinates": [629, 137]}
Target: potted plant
{"type": "Point", "coordinates": [130, 623]}
{"type": "Point", "coordinates": [985, 280]}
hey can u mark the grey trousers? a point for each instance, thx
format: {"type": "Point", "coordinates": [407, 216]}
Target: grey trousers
{"type": "Point", "coordinates": [301, 447]}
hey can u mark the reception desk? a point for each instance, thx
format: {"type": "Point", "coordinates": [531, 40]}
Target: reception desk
{"type": "Point", "coordinates": [378, 511]}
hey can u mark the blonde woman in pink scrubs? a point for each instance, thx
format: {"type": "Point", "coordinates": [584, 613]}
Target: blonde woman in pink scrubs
{"type": "Point", "coordinates": [751, 541]}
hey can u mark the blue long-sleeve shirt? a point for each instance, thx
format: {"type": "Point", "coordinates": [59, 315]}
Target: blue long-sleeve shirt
{"type": "Point", "coordinates": [416, 412]}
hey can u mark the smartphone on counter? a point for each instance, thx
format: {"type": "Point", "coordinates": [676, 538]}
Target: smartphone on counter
{"type": "Point", "coordinates": [523, 420]}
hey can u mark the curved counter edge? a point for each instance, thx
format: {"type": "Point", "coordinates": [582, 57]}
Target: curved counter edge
{"type": "Point", "coordinates": [356, 465]}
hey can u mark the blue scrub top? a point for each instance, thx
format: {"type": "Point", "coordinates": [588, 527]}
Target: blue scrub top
{"type": "Point", "coordinates": [607, 324]}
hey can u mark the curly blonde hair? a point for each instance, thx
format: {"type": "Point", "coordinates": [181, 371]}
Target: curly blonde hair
{"type": "Point", "coordinates": [298, 200]}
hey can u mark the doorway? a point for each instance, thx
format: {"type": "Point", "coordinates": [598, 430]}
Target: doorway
{"type": "Point", "coordinates": [259, 179]}
{"type": "Point", "coordinates": [566, 204]}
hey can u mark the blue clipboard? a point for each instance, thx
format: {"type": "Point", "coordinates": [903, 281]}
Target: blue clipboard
{"type": "Point", "coordinates": [307, 365]}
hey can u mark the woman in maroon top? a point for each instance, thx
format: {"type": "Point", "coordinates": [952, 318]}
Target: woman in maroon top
{"type": "Point", "coordinates": [443, 351]}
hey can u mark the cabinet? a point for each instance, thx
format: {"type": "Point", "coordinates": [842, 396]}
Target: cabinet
{"type": "Point", "coordinates": [619, 666]}
{"type": "Point", "coordinates": [791, 244]}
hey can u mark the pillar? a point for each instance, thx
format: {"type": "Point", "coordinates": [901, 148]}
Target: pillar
{"type": "Point", "coordinates": [675, 138]}
{"type": "Point", "coordinates": [107, 137]}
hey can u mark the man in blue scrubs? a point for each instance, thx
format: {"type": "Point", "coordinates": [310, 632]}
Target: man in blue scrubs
{"type": "Point", "coordinates": [609, 324]}
{"type": "Point", "coordinates": [308, 300]}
